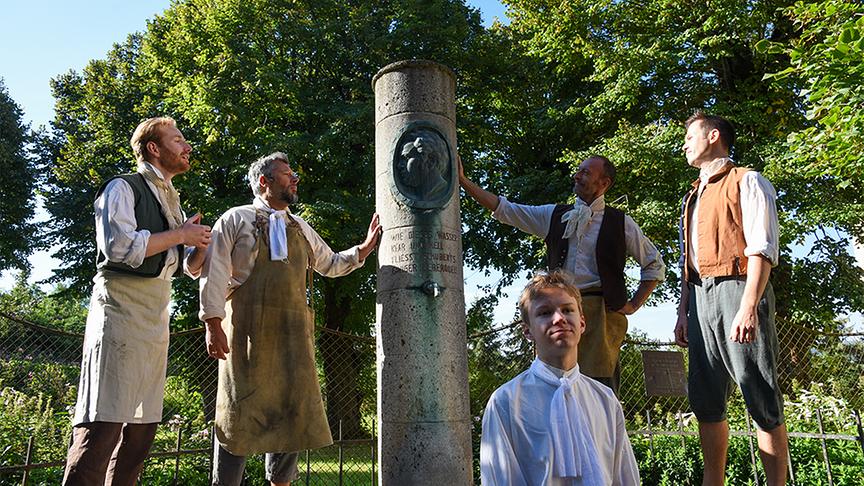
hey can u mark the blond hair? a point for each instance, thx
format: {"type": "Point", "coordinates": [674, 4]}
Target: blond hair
{"type": "Point", "coordinates": [148, 131]}
{"type": "Point", "coordinates": [558, 279]}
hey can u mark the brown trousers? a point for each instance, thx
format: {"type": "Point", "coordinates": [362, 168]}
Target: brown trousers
{"type": "Point", "coordinates": [107, 453]}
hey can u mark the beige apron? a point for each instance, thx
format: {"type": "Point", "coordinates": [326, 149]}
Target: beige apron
{"type": "Point", "coordinates": [125, 351]}
{"type": "Point", "coordinates": [601, 342]}
{"type": "Point", "coordinates": [269, 398]}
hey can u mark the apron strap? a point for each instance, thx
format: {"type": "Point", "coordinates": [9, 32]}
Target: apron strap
{"type": "Point", "coordinates": [309, 270]}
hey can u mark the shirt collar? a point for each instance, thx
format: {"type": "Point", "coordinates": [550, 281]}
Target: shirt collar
{"type": "Point", "coordinates": [711, 168]}
{"type": "Point", "coordinates": [599, 204]}
{"type": "Point", "coordinates": [559, 372]}
{"type": "Point", "coordinates": [260, 203]}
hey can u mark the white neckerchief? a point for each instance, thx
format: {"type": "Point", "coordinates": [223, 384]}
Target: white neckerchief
{"type": "Point", "coordinates": [278, 238]}
{"type": "Point", "coordinates": [573, 450]}
{"type": "Point", "coordinates": [577, 219]}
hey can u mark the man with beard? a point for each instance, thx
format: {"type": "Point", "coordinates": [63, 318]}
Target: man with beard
{"type": "Point", "coordinates": [591, 240]}
{"type": "Point", "coordinates": [140, 236]}
{"type": "Point", "coordinates": [256, 287]}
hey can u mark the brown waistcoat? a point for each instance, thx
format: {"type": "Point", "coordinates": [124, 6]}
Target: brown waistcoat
{"type": "Point", "coordinates": [720, 232]}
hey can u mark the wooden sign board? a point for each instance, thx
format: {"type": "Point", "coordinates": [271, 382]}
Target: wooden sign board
{"type": "Point", "coordinates": [664, 373]}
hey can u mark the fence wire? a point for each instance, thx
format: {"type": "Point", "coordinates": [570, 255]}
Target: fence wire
{"type": "Point", "coordinates": [821, 373]}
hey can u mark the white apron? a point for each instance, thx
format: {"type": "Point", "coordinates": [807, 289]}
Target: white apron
{"type": "Point", "coordinates": [125, 351]}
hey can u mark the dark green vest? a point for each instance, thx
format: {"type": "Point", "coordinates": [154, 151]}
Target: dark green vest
{"type": "Point", "coordinates": [611, 252]}
{"type": "Point", "coordinates": [148, 215]}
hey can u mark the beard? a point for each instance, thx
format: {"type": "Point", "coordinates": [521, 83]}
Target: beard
{"type": "Point", "coordinates": [288, 197]}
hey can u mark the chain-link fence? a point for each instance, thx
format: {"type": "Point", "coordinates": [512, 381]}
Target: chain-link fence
{"type": "Point", "coordinates": [822, 375]}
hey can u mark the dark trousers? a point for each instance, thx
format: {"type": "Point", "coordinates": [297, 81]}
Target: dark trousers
{"type": "Point", "coordinates": [107, 453]}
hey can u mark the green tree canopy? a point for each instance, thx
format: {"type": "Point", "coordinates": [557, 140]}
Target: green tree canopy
{"type": "Point", "coordinates": [243, 79]}
{"type": "Point", "coordinates": [18, 178]}
{"type": "Point", "coordinates": [619, 78]}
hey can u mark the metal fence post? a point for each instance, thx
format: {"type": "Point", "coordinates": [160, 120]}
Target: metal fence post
{"type": "Point", "coordinates": [177, 459]}
{"type": "Point", "coordinates": [824, 447]}
{"type": "Point", "coordinates": [752, 452]}
{"type": "Point", "coordinates": [650, 434]}
{"type": "Point", "coordinates": [860, 430]}
{"type": "Point", "coordinates": [307, 467]}
{"type": "Point", "coordinates": [341, 453]}
{"type": "Point", "coordinates": [27, 459]}
{"type": "Point", "coordinates": [212, 452]}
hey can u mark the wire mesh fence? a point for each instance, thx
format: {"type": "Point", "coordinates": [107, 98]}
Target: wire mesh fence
{"type": "Point", "coordinates": [822, 375]}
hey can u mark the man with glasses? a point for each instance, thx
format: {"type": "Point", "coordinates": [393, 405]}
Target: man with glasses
{"type": "Point", "coordinates": [256, 287]}
{"type": "Point", "coordinates": [591, 240]}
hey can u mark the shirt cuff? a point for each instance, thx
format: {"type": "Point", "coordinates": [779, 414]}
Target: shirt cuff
{"type": "Point", "coordinates": [501, 202]}
{"type": "Point", "coordinates": [205, 314]}
{"type": "Point", "coordinates": [136, 251]}
{"type": "Point", "coordinates": [771, 254]}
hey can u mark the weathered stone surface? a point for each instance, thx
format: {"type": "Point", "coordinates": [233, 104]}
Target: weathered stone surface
{"type": "Point", "coordinates": [416, 457]}
{"type": "Point", "coordinates": [423, 406]}
{"type": "Point", "coordinates": [415, 86]}
{"type": "Point", "coordinates": [410, 256]}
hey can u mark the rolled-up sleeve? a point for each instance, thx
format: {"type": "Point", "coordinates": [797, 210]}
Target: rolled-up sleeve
{"type": "Point", "coordinates": [116, 229]}
{"type": "Point", "coordinates": [530, 219]}
{"type": "Point", "coordinates": [217, 269]}
{"type": "Point", "coordinates": [327, 262]}
{"type": "Point", "coordinates": [643, 251]}
{"type": "Point", "coordinates": [759, 217]}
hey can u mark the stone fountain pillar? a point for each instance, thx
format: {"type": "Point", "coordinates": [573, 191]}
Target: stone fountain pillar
{"type": "Point", "coordinates": [424, 421]}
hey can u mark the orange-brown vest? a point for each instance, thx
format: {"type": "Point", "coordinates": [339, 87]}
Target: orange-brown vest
{"type": "Point", "coordinates": [720, 231]}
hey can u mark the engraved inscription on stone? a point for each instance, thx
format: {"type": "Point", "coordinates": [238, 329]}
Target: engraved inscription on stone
{"type": "Point", "coordinates": [420, 250]}
{"type": "Point", "coordinates": [664, 373]}
{"type": "Point", "coordinates": [422, 167]}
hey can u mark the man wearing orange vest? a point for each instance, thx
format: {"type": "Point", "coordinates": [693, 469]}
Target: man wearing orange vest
{"type": "Point", "coordinates": [729, 234]}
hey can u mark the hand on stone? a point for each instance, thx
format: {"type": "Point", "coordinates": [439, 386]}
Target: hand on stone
{"type": "Point", "coordinates": [461, 168]}
{"type": "Point", "coordinates": [372, 236]}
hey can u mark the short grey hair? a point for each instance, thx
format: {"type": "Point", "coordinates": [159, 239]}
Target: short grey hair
{"type": "Point", "coordinates": [264, 167]}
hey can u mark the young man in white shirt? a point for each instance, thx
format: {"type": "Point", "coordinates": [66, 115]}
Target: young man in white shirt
{"type": "Point", "coordinates": [551, 425]}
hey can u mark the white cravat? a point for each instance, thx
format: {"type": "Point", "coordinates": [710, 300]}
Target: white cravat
{"type": "Point", "coordinates": [278, 238]}
{"type": "Point", "coordinates": [573, 450]}
{"type": "Point", "coordinates": [577, 220]}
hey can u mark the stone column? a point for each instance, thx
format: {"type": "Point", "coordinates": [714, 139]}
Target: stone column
{"type": "Point", "coordinates": [424, 421]}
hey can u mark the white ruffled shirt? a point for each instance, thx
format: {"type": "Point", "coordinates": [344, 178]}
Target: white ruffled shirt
{"type": "Point", "coordinates": [232, 252]}
{"type": "Point", "coordinates": [516, 447]}
{"type": "Point", "coordinates": [581, 254]}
